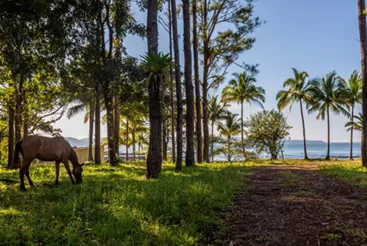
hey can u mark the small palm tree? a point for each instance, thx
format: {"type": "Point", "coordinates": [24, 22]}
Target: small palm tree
{"type": "Point", "coordinates": [217, 110]}
{"type": "Point", "coordinates": [325, 97]}
{"type": "Point", "coordinates": [297, 90]}
{"type": "Point", "coordinates": [229, 128]}
{"type": "Point", "coordinates": [351, 92]}
{"type": "Point", "coordinates": [242, 89]}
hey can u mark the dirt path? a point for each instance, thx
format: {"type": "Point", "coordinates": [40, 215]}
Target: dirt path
{"type": "Point", "coordinates": [292, 205]}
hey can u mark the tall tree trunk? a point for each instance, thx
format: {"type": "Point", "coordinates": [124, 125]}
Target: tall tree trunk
{"type": "Point", "coordinates": [363, 42]}
{"type": "Point", "coordinates": [91, 130]}
{"type": "Point", "coordinates": [133, 140]}
{"type": "Point", "coordinates": [304, 131]}
{"type": "Point", "coordinates": [229, 149]}
{"type": "Point", "coordinates": [199, 138]}
{"type": "Point", "coordinates": [11, 137]}
{"type": "Point", "coordinates": [154, 160]}
{"type": "Point", "coordinates": [116, 124]}
{"type": "Point", "coordinates": [127, 141]}
{"type": "Point", "coordinates": [97, 139]}
{"type": "Point", "coordinates": [190, 112]}
{"type": "Point", "coordinates": [205, 83]}
{"type": "Point", "coordinates": [171, 87]}
{"type": "Point", "coordinates": [351, 135]}
{"type": "Point", "coordinates": [242, 132]}
{"type": "Point", "coordinates": [178, 86]}
{"type": "Point", "coordinates": [328, 134]}
{"type": "Point", "coordinates": [18, 108]}
{"type": "Point", "coordinates": [164, 139]}
{"type": "Point", "coordinates": [110, 133]}
{"type": "Point", "coordinates": [25, 117]}
{"type": "Point", "coordinates": [212, 141]}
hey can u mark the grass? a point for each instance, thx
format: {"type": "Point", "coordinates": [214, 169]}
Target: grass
{"type": "Point", "coordinates": [117, 206]}
{"type": "Point", "coordinates": [351, 172]}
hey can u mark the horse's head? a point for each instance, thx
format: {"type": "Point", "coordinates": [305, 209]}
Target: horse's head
{"type": "Point", "coordinates": [77, 172]}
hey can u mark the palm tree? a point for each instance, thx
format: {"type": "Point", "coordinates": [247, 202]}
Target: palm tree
{"type": "Point", "coordinates": [217, 110]}
{"type": "Point", "coordinates": [242, 89]}
{"type": "Point", "coordinates": [297, 91]}
{"type": "Point", "coordinates": [88, 104]}
{"type": "Point", "coordinates": [356, 124]}
{"type": "Point", "coordinates": [324, 96]}
{"type": "Point", "coordinates": [229, 128]}
{"type": "Point", "coordinates": [351, 92]}
{"type": "Point", "coordinates": [158, 67]}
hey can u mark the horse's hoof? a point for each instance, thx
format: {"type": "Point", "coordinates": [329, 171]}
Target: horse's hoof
{"type": "Point", "coordinates": [56, 183]}
{"type": "Point", "coordinates": [23, 188]}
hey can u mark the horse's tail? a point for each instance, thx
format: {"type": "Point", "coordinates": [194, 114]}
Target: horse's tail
{"type": "Point", "coordinates": [18, 148]}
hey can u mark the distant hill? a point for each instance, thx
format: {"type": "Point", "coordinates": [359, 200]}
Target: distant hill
{"type": "Point", "coordinates": [77, 142]}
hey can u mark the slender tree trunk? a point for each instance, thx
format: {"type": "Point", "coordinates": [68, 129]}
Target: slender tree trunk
{"type": "Point", "coordinates": [116, 124]}
{"type": "Point", "coordinates": [199, 138]}
{"type": "Point", "coordinates": [304, 131]}
{"type": "Point", "coordinates": [328, 134]}
{"type": "Point", "coordinates": [351, 135]}
{"type": "Point", "coordinates": [97, 139]}
{"type": "Point", "coordinates": [190, 112]}
{"type": "Point", "coordinates": [18, 108]}
{"type": "Point", "coordinates": [97, 122]}
{"type": "Point", "coordinates": [11, 137]}
{"type": "Point", "coordinates": [363, 42]}
{"type": "Point", "coordinates": [154, 160]}
{"type": "Point", "coordinates": [229, 149]}
{"type": "Point", "coordinates": [171, 87]}
{"type": "Point", "coordinates": [133, 140]}
{"type": "Point", "coordinates": [91, 130]}
{"type": "Point", "coordinates": [212, 141]}
{"type": "Point", "coordinates": [127, 141]}
{"type": "Point", "coordinates": [178, 86]}
{"type": "Point", "coordinates": [242, 132]}
{"type": "Point", "coordinates": [205, 83]}
{"type": "Point", "coordinates": [25, 115]}
{"type": "Point", "coordinates": [110, 133]}
{"type": "Point", "coordinates": [164, 139]}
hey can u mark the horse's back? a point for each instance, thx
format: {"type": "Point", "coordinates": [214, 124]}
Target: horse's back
{"type": "Point", "coordinates": [46, 148]}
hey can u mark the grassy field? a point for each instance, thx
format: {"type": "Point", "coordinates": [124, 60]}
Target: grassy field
{"type": "Point", "coordinates": [351, 172]}
{"type": "Point", "coordinates": [117, 206]}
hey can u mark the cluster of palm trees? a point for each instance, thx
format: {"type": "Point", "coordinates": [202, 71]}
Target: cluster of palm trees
{"type": "Point", "coordinates": [241, 89]}
{"type": "Point", "coordinates": [328, 94]}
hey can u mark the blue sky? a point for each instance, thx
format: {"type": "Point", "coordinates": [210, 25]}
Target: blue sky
{"type": "Point", "coordinates": [313, 35]}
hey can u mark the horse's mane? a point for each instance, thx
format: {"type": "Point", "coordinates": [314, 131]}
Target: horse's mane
{"type": "Point", "coordinates": [73, 157]}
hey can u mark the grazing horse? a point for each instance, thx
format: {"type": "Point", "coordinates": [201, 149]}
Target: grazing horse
{"type": "Point", "coordinates": [46, 149]}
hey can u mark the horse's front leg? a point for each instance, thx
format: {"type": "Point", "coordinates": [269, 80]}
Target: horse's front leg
{"type": "Point", "coordinates": [57, 163]}
{"type": "Point", "coordinates": [66, 164]}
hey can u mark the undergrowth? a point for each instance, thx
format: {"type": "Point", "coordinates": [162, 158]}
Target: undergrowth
{"type": "Point", "coordinates": [116, 205]}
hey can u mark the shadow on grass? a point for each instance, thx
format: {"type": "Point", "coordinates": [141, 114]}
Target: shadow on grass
{"type": "Point", "coordinates": [116, 205]}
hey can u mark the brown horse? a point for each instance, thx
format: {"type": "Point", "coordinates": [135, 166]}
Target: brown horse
{"type": "Point", "coordinates": [46, 149]}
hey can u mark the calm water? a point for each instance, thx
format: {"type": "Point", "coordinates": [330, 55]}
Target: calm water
{"type": "Point", "coordinates": [318, 150]}
{"type": "Point", "coordinates": [294, 150]}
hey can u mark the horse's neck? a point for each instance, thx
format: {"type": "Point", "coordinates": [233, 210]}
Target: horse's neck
{"type": "Point", "coordinates": [74, 158]}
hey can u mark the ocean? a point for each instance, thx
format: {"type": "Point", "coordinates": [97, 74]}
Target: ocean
{"type": "Point", "coordinates": [293, 149]}
{"type": "Point", "coordinates": [317, 149]}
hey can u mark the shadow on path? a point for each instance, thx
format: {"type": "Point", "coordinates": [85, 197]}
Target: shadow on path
{"type": "Point", "coordinates": [293, 205]}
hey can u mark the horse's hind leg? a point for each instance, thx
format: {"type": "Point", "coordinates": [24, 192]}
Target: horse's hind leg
{"type": "Point", "coordinates": [66, 164]}
{"type": "Point", "coordinates": [57, 163]}
{"type": "Point", "coordinates": [25, 170]}
{"type": "Point", "coordinates": [28, 177]}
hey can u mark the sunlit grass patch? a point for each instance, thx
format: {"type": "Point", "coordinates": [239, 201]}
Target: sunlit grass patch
{"type": "Point", "coordinates": [351, 172]}
{"type": "Point", "coordinates": [117, 205]}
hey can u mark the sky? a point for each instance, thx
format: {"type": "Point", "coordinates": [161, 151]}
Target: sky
{"type": "Point", "coordinates": [314, 36]}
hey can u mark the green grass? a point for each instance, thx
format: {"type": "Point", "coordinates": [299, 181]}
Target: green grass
{"type": "Point", "coordinates": [352, 173]}
{"type": "Point", "coordinates": [117, 206]}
